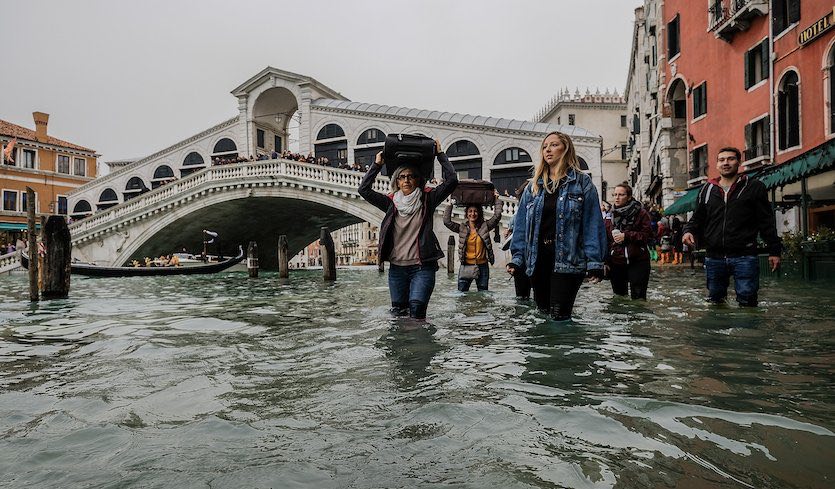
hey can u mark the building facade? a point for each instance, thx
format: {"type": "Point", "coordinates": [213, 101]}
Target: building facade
{"type": "Point", "coordinates": [50, 166]}
{"type": "Point", "coordinates": [603, 114]}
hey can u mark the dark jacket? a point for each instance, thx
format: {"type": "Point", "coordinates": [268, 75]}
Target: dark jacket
{"type": "Point", "coordinates": [727, 225]}
{"type": "Point", "coordinates": [633, 249]}
{"type": "Point", "coordinates": [483, 231]}
{"type": "Point", "coordinates": [429, 249]}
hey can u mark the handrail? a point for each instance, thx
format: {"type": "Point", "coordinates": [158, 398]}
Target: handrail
{"type": "Point", "coordinates": [9, 261]}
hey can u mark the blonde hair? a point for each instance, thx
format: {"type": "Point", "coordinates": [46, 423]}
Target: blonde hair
{"type": "Point", "coordinates": [567, 161]}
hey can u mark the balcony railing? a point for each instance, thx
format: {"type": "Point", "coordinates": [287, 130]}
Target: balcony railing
{"type": "Point", "coordinates": [727, 17]}
{"type": "Point", "coordinates": [757, 151]}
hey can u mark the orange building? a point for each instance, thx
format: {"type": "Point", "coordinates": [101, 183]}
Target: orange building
{"type": "Point", "coordinates": [51, 166]}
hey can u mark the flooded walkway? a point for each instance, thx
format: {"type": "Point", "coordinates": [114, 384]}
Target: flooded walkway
{"type": "Point", "coordinates": [226, 382]}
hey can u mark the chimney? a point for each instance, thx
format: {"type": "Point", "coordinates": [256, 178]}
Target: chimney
{"type": "Point", "coordinates": [41, 121]}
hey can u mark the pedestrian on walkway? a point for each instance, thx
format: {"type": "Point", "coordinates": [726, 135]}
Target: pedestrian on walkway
{"type": "Point", "coordinates": [731, 211]}
{"type": "Point", "coordinates": [475, 248]}
{"type": "Point", "coordinates": [559, 237]}
{"type": "Point", "coordinates": [407, 240]}
{"type": "Point", "coordinates": [629, 234]}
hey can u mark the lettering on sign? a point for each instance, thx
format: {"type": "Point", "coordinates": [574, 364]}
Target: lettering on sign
{"type": "Point", "coordinates": [815, 30]}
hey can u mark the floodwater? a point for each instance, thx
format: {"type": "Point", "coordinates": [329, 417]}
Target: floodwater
{"type": "Point", "coordinates": [225, 381]}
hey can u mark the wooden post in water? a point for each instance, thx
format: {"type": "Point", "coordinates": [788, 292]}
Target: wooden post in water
{"type": "Point", "coordinates": [33, 245]}
{"type": "Point", "coordinates": [283, 260]}
{"type": "Point", "coordinates": [56, 261]}
{"type": "Point", "coordinates": [328, 253]}
{"type": "Point", "coordinates": [450, 255]}
{"type": "Point", "coordinates": [252, 259]}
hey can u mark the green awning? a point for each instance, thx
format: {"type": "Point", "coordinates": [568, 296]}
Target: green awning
{"type": "Point", "coordinates": [684, 204]}
{"type": "Point", "coordinates": [810, 163]}
{"type": "Point", "coordinates": [15, 226]}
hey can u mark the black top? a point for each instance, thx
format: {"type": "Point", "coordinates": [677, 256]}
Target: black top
{"type": "Point", "coordinates": [548, 225]}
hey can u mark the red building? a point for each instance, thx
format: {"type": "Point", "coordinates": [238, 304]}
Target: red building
{"type": "Point", "coordinates": [757, 75]}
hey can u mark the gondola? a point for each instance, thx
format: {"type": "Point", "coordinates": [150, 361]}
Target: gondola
{"type": "Point", "coordinates": [97, 271]}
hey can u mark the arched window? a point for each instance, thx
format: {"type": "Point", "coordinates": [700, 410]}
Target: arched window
{"type": "Point", "coordinates": [512, 155]}
{"type": "Point", "coordinates": [583, 165]}
{"type": "Point", "coordinates": [466, 159]}
{"type": "Point", "coordinates": [371, 136]}
{"type": "Point", "coordinates": [224, 146]}
{"type": "Point", "coordinates": [330, 131]}
{"type": "Point", "coordinates": [134, 187]}
{"type": "Point", "coordinates": [194, 162]}
{"type": "Point", "coordinates": [162, 174]}
{"type": "Point", "coordinates": [333, 152]}
{"type": "Point", "coordinates": [107, 199]}
{"type": "Point", "coordinates": [81, 209]}
{"type": "Point", "coordinates": [194, 158]}
{"type": "Point", "coordinates": [788, 111]}
{"type": "Point", "coordinates": [373, 140]}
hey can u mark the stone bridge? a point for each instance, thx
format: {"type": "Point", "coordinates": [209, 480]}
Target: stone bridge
{"type": "Point", "coordinates": [253, 201]}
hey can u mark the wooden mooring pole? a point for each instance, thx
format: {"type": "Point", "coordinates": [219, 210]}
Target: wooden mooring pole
{"type": "Point", "coordinates": [283, 259]}
{"type": "Point", "coordinates": [252, 259]}
{"type": "Point", "coordinates": [450, 255]}
{"type": "Point", "coordinates": [56, 261]}
{"type": "Point", "coordinates": [33, 245]}
{"type": "Point", "coordinates": [328, 252]}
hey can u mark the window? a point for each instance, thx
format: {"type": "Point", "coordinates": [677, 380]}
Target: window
{"type": "Point", "coordinates": [259, 137]}
{"type": "Point", "coordinates": [698, 162]}
{"type": "Point", "coordinates": [462, 148]}
{"type": "Point", "coordinates": [24, 202]}
{"type": "Point", "coordinates": [623, 121]}
{"type": "Point", "coordinates": [673, 41]}
{"type": "Point", "coordinates": [342, 153]}
{"type": "Point", "coordinates": [784, 13]}
{"type": "Point", "coordinates": [756, 64]}
{"type": "Point", "coordinates": [277, 143]}
{"type": "Point", "coordinates": [10, 200]}
{"type": "Point", "coordinates": [81, 209]}
{"type": "Point", "coordinates": [700, 100]}
{"type": "Point", "coordinates": [63, 165]}
{"type": "Point", "coordinates": [636, 124]}
{"type": "Point", "coordinates": [571, 119]}
{"type": "Point", "coordinates": [28, 158]}
{"type": "Point", "coordinates": [330, 131]}
{"type": "Point", "coordinates": [788, 111]}
{"type": "Point", "coordinates": [512, 155]}
{"type": "Point", "coordinates": [79, 167]}
{"type": "Point", "coordinates": [194, 159]}
{"type": "Point", "coordinates": [62, 205]}
{"type": "Point", "coordinates": [371, 136]}
{"type": "Point", "coordinates": [623, 152]}
{"type": "Point", "coordinates": [225, 145]}
{"type": "Point", "coordinates": [757, 139]}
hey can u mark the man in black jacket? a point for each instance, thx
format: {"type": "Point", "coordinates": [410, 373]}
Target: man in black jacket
{"type": "Point", "coordinates": [730, 211]}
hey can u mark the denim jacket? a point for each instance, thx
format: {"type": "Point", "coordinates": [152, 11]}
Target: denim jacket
{"type": "Point", "coordinates": [580, 243]}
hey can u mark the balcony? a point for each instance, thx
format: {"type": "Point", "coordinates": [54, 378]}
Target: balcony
{"type": "Point", "coordinates": [727, 17]}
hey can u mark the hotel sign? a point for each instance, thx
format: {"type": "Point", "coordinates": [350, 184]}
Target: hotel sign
{"type": "Point", "coordinates": [815, 30]}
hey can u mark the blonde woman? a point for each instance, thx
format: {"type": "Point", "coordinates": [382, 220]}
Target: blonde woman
{"type": "Point", "coordinates": [560, 237]}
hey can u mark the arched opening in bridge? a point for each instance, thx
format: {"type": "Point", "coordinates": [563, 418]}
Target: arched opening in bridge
{"type": "Point", "coordinates": [134, 188]}
{"type": "Point", "coordinates": [583, 165]}
{"type": "Point", "coordinates": [272, 115]}
{"type": "Point", "coordinates": [107, 199]}
{"type": "Point", "coordinates": [81, 210]}
{"type": "Point", "coordinates": [354, 245]}
{"type": "Point", "coordinates": [369, 143]}
{"type": "Point", "coordinates": [466, 159]}
{"type": "Point", "coordinates": [225, 151]}
{"type": "Point", "coordinates": [194, 162]}
{"type": "Point", "coordinates": [331, 144]}
{"type": "Point", "coordinates": [511, 168]}
{"type": "Point", "coordinates": [162, 175]}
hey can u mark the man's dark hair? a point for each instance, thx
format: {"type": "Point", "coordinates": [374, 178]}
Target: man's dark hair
{"type": "Point", "coordinates": [731, 149]}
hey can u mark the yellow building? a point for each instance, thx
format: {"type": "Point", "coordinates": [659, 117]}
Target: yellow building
{"type": "Point", "coordinates": [51, 166]}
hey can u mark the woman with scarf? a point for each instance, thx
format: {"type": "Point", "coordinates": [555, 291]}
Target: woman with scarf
{"type": "Point", "coordinates": [629, 233]}
{"type": "Point", "coordinates": [559, 237]}
{"type": "Point", "coordinates": [407, 240]}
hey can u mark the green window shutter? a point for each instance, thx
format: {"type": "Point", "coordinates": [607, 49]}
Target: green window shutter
{"type": "Point", "coordinates": [766, 61]}
{"type": "Point", "coordinates": [767, 135]}
{"type": "Point", "coordinates": [794, 11]}
{"type": "Point", "coordinates": [749, 139]}
{"type": "Point", "coordinates": [748, 75]}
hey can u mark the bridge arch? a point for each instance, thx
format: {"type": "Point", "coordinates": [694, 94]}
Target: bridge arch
{"type": "Point", "coordinates": [272, 110]}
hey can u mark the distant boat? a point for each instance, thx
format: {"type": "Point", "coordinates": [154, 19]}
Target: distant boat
{"type": "Point", "coordinates": [91, 270]}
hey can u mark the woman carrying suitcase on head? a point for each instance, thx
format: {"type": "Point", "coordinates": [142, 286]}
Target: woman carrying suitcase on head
{"type": "Point", "coordinates": [407, 240]}
{"type": "Point", "coordinates": [475, 249]}
{"type": "Point", "coordinates": [559, 234]}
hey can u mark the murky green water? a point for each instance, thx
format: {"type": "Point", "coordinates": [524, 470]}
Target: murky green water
{"type": "Point", "coordinates": [228, 382]}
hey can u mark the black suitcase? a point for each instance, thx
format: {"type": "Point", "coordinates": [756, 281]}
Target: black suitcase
{"type": "Point", "coordinates": [474, 192]}
{"type": "Point", "coordinates": [408, 149]}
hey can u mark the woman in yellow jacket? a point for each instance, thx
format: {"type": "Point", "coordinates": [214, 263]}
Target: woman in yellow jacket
{"type": "Point", "coordinates": [475, 250]}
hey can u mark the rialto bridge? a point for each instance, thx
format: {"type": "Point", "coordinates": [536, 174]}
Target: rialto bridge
{"type": "Point", "coordinates": [162, 202]}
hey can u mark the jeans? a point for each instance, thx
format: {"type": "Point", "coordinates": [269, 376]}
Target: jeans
{"type": "Point", "coordinates": [746, 273]}
{"type": "Point", "coordinates": [410, 288]}
{"type": "Point", "coordinates": [633, 276]}
{"type": "Point", "coordinates": [481, 282]}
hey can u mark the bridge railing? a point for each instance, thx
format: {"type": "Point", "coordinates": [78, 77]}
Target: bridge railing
{"type": "Point", "coordinates": [10, 261]}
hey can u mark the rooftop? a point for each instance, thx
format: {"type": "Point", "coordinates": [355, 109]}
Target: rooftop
{"type": "Point", "coordinates": [14, 131]}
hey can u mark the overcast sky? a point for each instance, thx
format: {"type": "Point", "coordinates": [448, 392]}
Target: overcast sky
{"type": "Point", "coordinates": [130, 78]}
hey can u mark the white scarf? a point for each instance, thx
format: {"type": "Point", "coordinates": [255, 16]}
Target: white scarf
{"type": "Point", "coordinates": [407, 205]}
